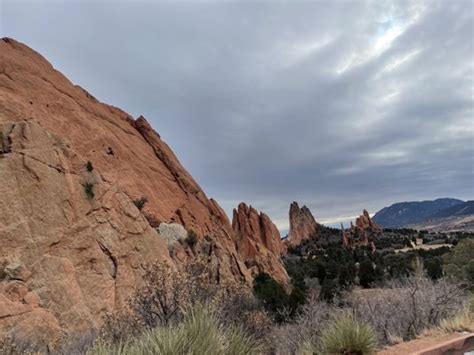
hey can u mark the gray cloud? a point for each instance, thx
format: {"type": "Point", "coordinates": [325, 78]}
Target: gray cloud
{"type": "Point", "coordinates": [339, 105]}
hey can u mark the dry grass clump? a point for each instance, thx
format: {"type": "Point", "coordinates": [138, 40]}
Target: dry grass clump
{"type": "Point", "coordinates": [345, 335]}
{"type": "Point", "coordinates": [462, 322]}
{"type": "Point", "coordinates": [167, 303]}
{"type": "Point", "coordinates": [306, 328]}
{"type": "Point", "coordinates": [200, 332]}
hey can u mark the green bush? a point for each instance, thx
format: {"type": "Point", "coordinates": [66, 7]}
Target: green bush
{"type": "Point", "coordinates": [89, 166]}
{"type": "Point", "coordinates": [140, 203]}
{"type": "Point", "coordinates": [459, 263]}
{"type": "Point", "coordinates": [367, 273]}
{"type": "Point", "coordinates": [89, 190]}
{"type": "Point", "coordinates": [434, 267]}
{"type": "Point", "coordinates": [272, 295]}
{"type": "Point", "coordinates": [192, 238]}
{"type": "Point", "coordinates": [348, 336]}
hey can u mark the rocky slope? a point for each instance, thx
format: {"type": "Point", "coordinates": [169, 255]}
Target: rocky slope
{"type": "Point", "coordinates": [302, 225]}
{"type": "Point", "coordinates": [458, 210]}
{"type": "Point", "coordinates": [405, 213]}
{"type": "Point", "coordinates": [73, 245]}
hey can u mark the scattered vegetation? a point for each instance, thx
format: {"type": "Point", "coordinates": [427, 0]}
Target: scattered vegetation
{"type": "Point", "coordinates": [339, 301]}
{"type": "Point", "coordinates": [89, 190]}
{"type": "Point", "coordinates": [185, 312]}
{"type": "Point", "coordinates": [140, 203]}
{"type": "Point", "coordinates": [333, 270]}
{"type": "Point", "coordinates": [89, 166]}
{"type": "Point", "coordinates": [348, 336]}
{"type": "Point", "coordinates": [459, 264]}
{"type": "Point", "coordinates": [192, 238]}
{"type": "Point", "coordinates": [274, 298]}
{"type": "Point", "coordinates": [200, 332]}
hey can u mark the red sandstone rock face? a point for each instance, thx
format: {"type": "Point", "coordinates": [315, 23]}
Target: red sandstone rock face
{"type": "Point", "coordinates": [257, 238]}
{"type": "Point", "coordinates": [65, 258]}
{"type": "Point", "coordinates": [80, 257]}
{"type": "Point", "coordinates": [248, 224]}
{"type": "Point", "coordinates": [302, 225]}
{"type": "Point", "coordinates": [358, 234]}
{"type": "Point", "coordinates": [365, 222]}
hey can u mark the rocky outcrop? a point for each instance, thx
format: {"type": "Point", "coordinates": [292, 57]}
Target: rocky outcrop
{"type": "Point", "coordinates": [361, 233]}
{"type": "Point", "coordinates": [302, 225]}
{"type": "Point", "coordinates": [72, 243]}
{"type": "Point", "coordinates": [364, 222]}
{"type": "Point", "coordinates": [257, 239]}
{"type": "Point", "coordinates": [66, 258]}
{"type": "Point", "coordinates": [248, 224]}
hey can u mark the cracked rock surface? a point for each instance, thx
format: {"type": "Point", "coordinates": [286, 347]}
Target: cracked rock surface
{"type": "Point", "coordinates": [66, 259]}
{"type": "Point", "coordinates": [74, 237]}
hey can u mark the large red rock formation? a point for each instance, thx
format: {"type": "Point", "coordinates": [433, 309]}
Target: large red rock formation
{"type": "Point", "coordinates": [72, 243]}
{"type": "Point", "coordinates": [65, 257]}
{"type": "Point", "coordinates": [248, 224]}
{"type": "Point", "coordinates": [360, 233]}
{"type": "Point", "coordinates": [302, 225]}
{"type": "Point", "coordinates": [257, 238]}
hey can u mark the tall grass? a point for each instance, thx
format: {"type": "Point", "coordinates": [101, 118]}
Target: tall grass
{"type": "Point", "coordinates": [462, 322]}
{"type": "Point", "coordinates": [199, 333]}
{"type": "Point", "coordinates": [344, 335]}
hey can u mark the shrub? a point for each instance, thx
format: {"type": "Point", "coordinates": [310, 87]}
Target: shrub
{"type": "Point", "coordinates": [191, 239]}
{"type": "Point", "coordinates": [287, 338]}
{"type": "Point", "coordinates": [329, 290]}
{"type": "Point", "coordinates": [348, 336]}
{"type": "Point", "coordinates": [89, 166]}
{"type": "Point", "coordinates": [460, 262]}
{"type": "Point", "coordinates": [89, 190]}
{"type": "Point", "coordinates": [434, 267]}
{"type": "Point", "coordinates": [140, 203]}
{"type": "Point", "coordinates": [405, 308]}
{"type": "Point", "coordinates": [201, 332]}
{"type": "Point", "coordinates": [168, 294]}
{"type": "Point", "coordinates": [367, 273]}
{"type": "Point", "coordinates": [272, 295]}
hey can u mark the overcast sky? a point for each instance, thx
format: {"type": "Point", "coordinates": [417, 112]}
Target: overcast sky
{"type": "Point", "coordinates": [339, 105]}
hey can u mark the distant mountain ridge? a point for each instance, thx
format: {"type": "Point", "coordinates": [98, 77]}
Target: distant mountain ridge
{"type": "Point", "coordinates": [406, 213]}
{"type": "Point", "coordinates": [463, 209]}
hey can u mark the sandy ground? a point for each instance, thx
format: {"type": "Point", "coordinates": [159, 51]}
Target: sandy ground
{"type": "Point", "coordinates": [424, 247]}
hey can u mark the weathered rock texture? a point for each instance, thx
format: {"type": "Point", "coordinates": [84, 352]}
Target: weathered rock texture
{"type": "Point", "coordinates": [257, 238]}
{"type": "Point", "coordinates": [66, 257]}
{"type": "Point", "coordinates": [302, 225]}
{"type": "Point", "coordinates": [250, 225]}
{"type": "Point", "coordinates": [360, 233]}
{"type": "Point", "coordinates": [72, 243]}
